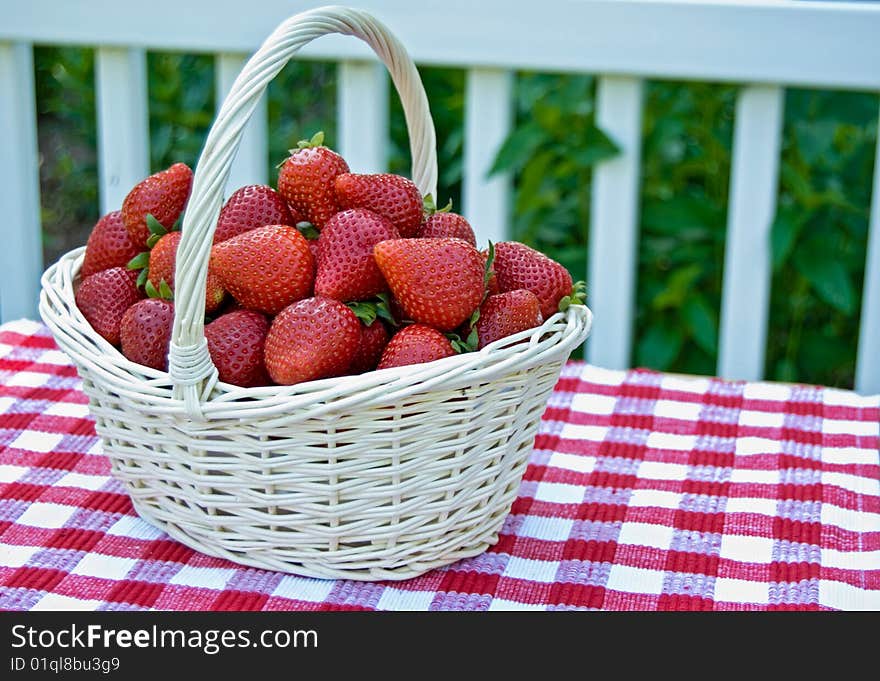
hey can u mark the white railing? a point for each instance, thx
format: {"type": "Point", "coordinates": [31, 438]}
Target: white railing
{"type": "Point", "coordinates": [764, 45]}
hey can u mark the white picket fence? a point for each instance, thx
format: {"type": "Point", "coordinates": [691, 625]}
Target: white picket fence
{"type": "Point", "coordinates": [764, 45]}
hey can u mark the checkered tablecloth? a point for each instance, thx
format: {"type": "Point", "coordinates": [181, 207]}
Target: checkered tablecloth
{"type": "Point", "coordinates": [645, 491]}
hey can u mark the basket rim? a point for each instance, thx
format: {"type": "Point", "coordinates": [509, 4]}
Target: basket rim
{"type": "Point", "coordinates": [558, 335]}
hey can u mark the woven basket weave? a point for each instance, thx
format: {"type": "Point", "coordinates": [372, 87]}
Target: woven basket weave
{"type": "Point", "coordinates": [380, 476]}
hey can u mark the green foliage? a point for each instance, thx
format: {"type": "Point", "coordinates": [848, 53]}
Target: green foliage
{"type": "Point", "coordinates": [64, 82]}
{"type": "Point", "coordinates": [818, 238]}
{"type": "Point", "coordinates": [445, 88]}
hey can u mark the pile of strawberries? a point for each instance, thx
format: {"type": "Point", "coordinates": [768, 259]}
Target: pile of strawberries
{"type": "Point", "coordinates": [334, 273]}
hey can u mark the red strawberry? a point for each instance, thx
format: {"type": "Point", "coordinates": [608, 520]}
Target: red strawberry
{"type": "Point", "coordinates": [415, 344]}
{"type": "Point", "coordinates": [163, 258]}
{"type": "Point", "coordinates": [306, 180]}
{"type": "Point", "coordinates": [391, 196]}
{"type": "Point", "coordinates": [162, 195]}
{"type": "Point", "coordinates": [346, 267]}
{"type": "Point", "coordinates": [109, 245]}
{"type": "Point", "coordinates": [145, 332]}
{"type": "Point", "coordinates": [505, 314]}
{"type": "Point", "coordinates": [310, 339]}
{"type": "Point", "coordinates": [235, 341]}
{"type": "Point", "coordinates": [439, 282]}
{"type": "Point", "coordinates": [450, 225]}
{"type": "Point", "coordinates": [265, 269]}
{"type": "Point", "coordinates": [104, 297]}
{"type": "Point", "coordinates": [518, 266]}
{"type": "Point", "coordinates": [372, 342]}
{"type": "Point", "coordinates": [250, 207]}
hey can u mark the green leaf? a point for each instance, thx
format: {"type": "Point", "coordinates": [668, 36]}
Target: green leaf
{"type": "Point", "coordinates": [364, 311]}
{"type": "Point", "coordinates": [828, 277]}
{"type": "Point", "coordinates": [165, 291]}
{"type": "Point", "coordinates": [659, 347]}
{"type": "Point", "coordinates": [473, 339]}
{"type": "Point", "coordinates": [594, 146]}
{"type": "Point", "coordinates": [678, 287]}
{"type": "Point", "coordinates": [518, 148]}
{"type": "Point", "coordinates": [155, 227]}
{"type": "Point", "coordinates": [487, 271]}
{"type": "Point", "coordinates": [784, 233]}
{"type": "Point", "coordinates": [308, 230]}
{"type": "Point", "coordinates": [153, 240]}
{"type": "Point", "coordinates": [703, 323]}
{"type": "Point", "coordinates": [151, 290]}
{"type": "Point", "coordinates": [140, 261]}
{"type": "Point", "coordinates": [142, 278]}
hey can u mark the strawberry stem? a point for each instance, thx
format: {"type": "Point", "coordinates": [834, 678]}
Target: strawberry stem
{"type": "Point", "coordinates": [316, 141]}
{"type": "Point", "coordinates": [578, 296]}
{"type": "Point", "coordinates": [368, 311]}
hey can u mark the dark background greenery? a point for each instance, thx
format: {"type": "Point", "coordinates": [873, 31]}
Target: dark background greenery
{"type": "Point", "coordinates": [819, 236]}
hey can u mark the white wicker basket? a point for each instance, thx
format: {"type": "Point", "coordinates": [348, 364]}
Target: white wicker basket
{"type": "Point", "coordinates": [380, 476]}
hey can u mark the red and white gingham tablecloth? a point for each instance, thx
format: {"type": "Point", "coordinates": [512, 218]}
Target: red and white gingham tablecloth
{"type": "Point", "coordinates": [645, 491]}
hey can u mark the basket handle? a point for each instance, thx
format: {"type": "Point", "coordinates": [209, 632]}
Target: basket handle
{"type": "Point", "coordinates": [193, 375]}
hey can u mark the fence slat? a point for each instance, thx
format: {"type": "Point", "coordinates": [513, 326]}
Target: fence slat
{"type": "Point", "coordinates": [362, 116]}
{"type": "Point", "coordinates": [614, 214]}
{"type": "Point", "coordinates": [123, 129]}
{"type": "Point", "coordinates": [487, 120]}
{"type": "Point", "coordinates": [21, 258]}
{"type": "Point", "coordinates": [753, 188]}
{"type": "Point", "coordinates": [868, 362]}
{"type": "Point", "coordinates": [251, 160]}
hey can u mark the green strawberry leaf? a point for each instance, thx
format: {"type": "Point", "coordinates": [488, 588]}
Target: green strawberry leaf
{"type": "Point", "coordinates": [316, 141]}
{"type": "Point", "coordinates": [140, 261]}
{"type": "Point", "coordinates": [364, 311]}
{"type": "Point", "coordinates": [578, 296]}
{"type": "Point", "coordinates": [151, 290]}
{"type": "Point", "coordinates": [155, 226]}
{"type": "Point", "coordinates": [473, 339]}
{"type": "Point", "coordinates": [461, 346]}
{"type": "Point", "coordinates": [490, 260]}
{"type": "Point", "coordinates": [165, 291]}
{"type": "Point", "coordinates": [142, 278]}
{"type": "Point", "coordinates": [153, 240]}
{"type": "Point", "coordinates": [383, 309]}
{"type": "Point", "coordinates": [368, 311]}
{"type": "Point", "coordinates": [429, 206]}
{"type": "Point", "coordinates": [178, 223]}
{"type": "Point", "coordinates": [308, 230]}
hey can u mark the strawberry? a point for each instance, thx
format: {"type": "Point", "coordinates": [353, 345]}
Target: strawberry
{"type": "Point", "coordinates": [492, 279]}
{"type": "Point", "coordinates": [250, 207]}
{"type": "Point", "coordinates": [109, 245]}
{"type": "Point", "coordinates": [163, 257]}
{"type": "Point", "coordinates": [391, 196]}
{"type": "Point", "coordinates": [518, 266]}
{"type": "Point", "coordinates": [104, 297]}
{"type": "Point", "coordinates": [505, 314]}
{"type": "Point", "coordinates": [306, 180]}
{"type": "Point", "coordinates": [374, 338]}
{"type": "Point", "coordinates": [145, 332]}
{"type": "Point", "coordinates": [415, 344]}
{"type": "Point", "coordinates": [162, 195]}
{"type": "Point", "coordinates": [443, 224]}
{"type": "Point", "coordinates": [310, 339]}
{"type": "Point", "coordinates": [235, 341]}
{"type": "Point", "coordinates": [439, 282]}
{"type": "Point", "coordinates": [346, 267]}
{"type": "Point", "coordinates": [265, 269]}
